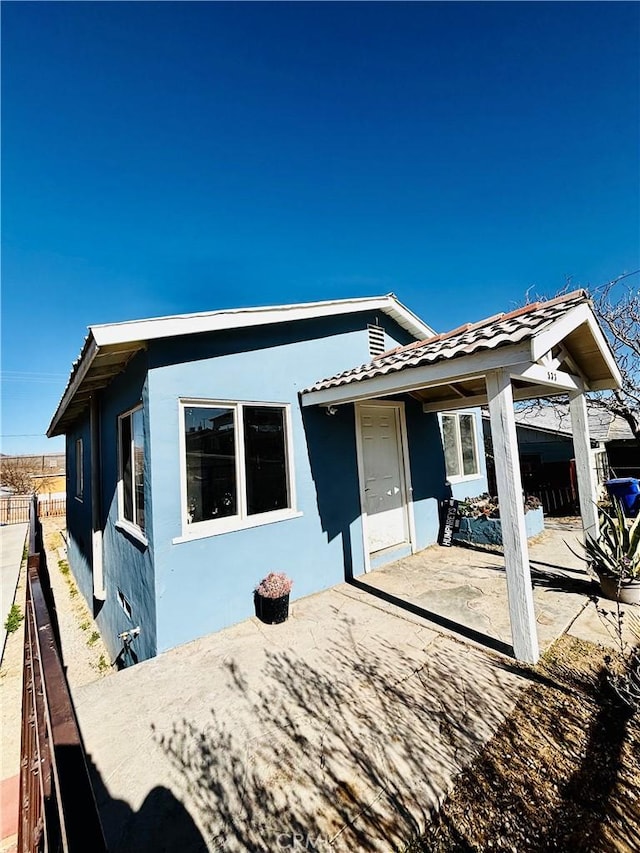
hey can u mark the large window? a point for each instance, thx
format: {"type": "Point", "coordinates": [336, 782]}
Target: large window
{"type": "Point", "coordinates": [131, 486]}
{"type": "Point", "coordinates": [460, 445]}
{"type": "Point", "coordinates": [236, 465]}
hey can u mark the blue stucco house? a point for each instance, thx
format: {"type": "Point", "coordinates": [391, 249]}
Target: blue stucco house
{"type": "Point", "coordinates": [194, 468]}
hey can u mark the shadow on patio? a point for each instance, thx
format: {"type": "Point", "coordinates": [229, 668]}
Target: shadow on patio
{"type": "Point", "coordinates": [463, 589]}
{"type": "Point", "coordinates": [345, 725]}
{"type": "Point", "coordinates": [353, 749]}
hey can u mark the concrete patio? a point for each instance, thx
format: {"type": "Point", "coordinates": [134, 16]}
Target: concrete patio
{"type": "Point", "coordinates": [465, 590]}
{"type": "Point", "coordinates": [342, 728]}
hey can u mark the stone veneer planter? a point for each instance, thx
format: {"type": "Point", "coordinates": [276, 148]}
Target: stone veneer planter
{"type": "Point", "coordinates": [488, 531]}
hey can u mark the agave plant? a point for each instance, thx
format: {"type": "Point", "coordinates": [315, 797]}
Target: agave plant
{"type": "Point", "coordinates": [616, 553]}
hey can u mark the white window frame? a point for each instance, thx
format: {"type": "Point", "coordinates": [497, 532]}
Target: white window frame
{"type": "Point", "coordinates": [79, 463]}
{"type": "Point", "coordinates": [240, 521]}
{"type": "Point", "coordinates": [461, 478]}
{"type": "Point", "coordinates": [131, 527]}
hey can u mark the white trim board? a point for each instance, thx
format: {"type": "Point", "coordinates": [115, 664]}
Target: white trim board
{"type": "Point", "coordinates": [136, 333]}
{"type": "Point", "coordinates": [544, 341]}
{"type": "Point", "coordinates": [414, 378]}
{"type": "Point", "coordinates": [237, 318]}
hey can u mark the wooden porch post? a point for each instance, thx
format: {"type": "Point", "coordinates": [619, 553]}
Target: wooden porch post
{"type": "Point", "coordinates": [584, 470]}
{"type": "Point", "coordinates": [514, 534]}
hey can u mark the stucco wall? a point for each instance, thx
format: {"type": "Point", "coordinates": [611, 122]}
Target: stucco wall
{"type": "Point", "coordinates": [488, 531]}
{"type": "Point", "coordinates": [179, 590]}
{"type": "Point", "coordinates": [128, 564]}
{"type": "Point", "coordinates": [207, 583]}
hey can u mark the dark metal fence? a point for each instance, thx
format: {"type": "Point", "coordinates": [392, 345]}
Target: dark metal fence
{"type": "Point", "coordinates": [15, 510]}
{"type": "Point", "coordinates": [57, 806]}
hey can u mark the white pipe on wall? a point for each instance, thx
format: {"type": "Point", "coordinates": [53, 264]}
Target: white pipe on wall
{"type": "Point", "coordinates": [99, 591]}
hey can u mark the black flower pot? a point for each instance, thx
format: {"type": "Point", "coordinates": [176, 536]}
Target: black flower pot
{"type": "Point", "coordinates": [272, 611]}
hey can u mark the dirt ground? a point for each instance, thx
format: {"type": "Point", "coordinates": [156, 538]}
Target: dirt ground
{"type": "Point", "coordinates": [562, 773]}
{"type": "Point", "coordinates": [85, 655]}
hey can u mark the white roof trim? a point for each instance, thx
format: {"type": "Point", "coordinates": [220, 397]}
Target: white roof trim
{"type": "Point", "coordinates": [441, 372]}
{"type": "Point", "coordinates": [421, 366]}
{"type": "Point", "coordinates": [141, 331]}
{"type": "Point", "coordinates": [544, 340]}
{"type": "Point", "coordinates": [86, 360]}
{"type": "Point", "coordinates": [237, 318]}
{"type": "Point", "coordinates": [562, 432]}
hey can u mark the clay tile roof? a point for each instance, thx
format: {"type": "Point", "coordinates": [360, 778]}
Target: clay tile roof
{"type": "Point", "coordinates": [490, 333]}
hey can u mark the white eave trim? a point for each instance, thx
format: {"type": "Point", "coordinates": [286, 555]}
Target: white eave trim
{"type": "Point", "coordinates": [214, 321]}
{"type": "Point", "coordinates": [407, 379]}
{"type": "Point", "coordinates": [140, 331]}
{"type": "Point", "coordinates": [86, 360]}
{"type": "Point", "coordinates": [551, 335]}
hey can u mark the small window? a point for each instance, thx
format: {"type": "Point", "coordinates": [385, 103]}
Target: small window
{"type": "Point", "coordinates": [79, 469]}
{"type": "Point", "coordinates": [460, 446]}
{"type": "Point", "coordinates": [236, 464]}
{"type": "Point", "coordinates": [131, 485]}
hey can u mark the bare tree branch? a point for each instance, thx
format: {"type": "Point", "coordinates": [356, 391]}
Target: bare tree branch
{"type": "Point", "coordinates": [617, 307]}
{"type": "Point", "coordinates": [23, 475]}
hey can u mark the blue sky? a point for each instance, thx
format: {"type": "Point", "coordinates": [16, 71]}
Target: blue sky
{"type": "Point", "coordinates": [162, 158]}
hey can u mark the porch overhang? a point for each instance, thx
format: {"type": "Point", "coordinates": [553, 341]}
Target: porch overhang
{"type": "Point", "coordinates": [564, 354]}
{"type": "Point", "coordinates": [540, 350]}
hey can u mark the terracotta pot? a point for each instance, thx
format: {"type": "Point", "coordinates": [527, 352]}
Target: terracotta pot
{"type": "Point", "coordinates": [629, 592]}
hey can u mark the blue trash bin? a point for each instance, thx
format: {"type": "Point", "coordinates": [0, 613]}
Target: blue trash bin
{"type": "Point", "coordinates": [627, 490]}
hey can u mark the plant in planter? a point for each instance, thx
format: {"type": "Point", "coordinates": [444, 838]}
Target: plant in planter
{"type": "Point", "coordinates": [486, 506]}
{"type": "Point", "coordinates": [615, 556]}
{"type": "Point", "coordinates": [483, 506]}
{"type": "Point", "coordinates": [480, 520]}
{"type": "Point", "coordinates": [271, 598]}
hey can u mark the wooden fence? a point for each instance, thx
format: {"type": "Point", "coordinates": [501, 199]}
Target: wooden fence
{"type": "Point", "coordinates": [557, 500]}
{"type": "Point", "coordinates": [15, 510]}
{"type": "Point", "coordinates": [58, 811]}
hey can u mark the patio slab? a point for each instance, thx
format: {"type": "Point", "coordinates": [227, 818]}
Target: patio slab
{"type": "Point", "coordinates": [344, 727]}
{"type": "Point", "coordinates": [467, 587]}
{"type": "Point", "coordinates": [346, 724]}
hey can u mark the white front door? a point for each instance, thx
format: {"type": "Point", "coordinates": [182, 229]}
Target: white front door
{"type": "Point", "coordinates": [384, 493]}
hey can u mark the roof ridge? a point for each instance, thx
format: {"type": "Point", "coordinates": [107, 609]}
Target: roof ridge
{"type": "Point", "coordinates": [249, 309]}
{"type": "Point", "coordinates": [565, 297]}
{"type": "Point", "coordinates": [509, 315]}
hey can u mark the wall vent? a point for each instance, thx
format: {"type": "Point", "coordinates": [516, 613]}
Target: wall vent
{"type": "Point", "coordinates": [376, 340]}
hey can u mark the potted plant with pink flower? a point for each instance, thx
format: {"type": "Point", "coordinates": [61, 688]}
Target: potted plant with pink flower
{"type": "Point", "coordinates": [271, 598]}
